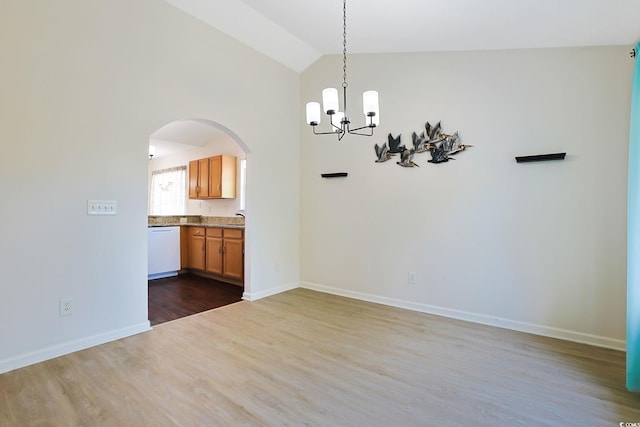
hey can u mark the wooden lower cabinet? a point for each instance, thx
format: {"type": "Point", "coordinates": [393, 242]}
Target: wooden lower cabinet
{"type": "Point", "coordinates": [196, 248]}
{"type": "Point", "coordinates": [216, 251]}
{"type": "Point", "coordinates": [233, 251]}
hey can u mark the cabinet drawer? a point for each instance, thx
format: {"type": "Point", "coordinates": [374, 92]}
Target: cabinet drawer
{"type": "Point", "coordinates": [196, 231]}
{"type": "Point", "coordinates": [233, 233]}
{"type": "Point", "coordinates": [214, 232]}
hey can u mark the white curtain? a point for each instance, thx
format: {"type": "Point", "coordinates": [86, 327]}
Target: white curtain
{"type": "Point", "coordinates": [168, 191]}
{"type": "Point", "coordinates": [633, 236]}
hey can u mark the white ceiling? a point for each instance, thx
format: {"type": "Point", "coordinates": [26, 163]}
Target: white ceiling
{"type": "Point", "coordinates": [182, 135]}
{"type": "Point", "coordinates": [297, 32]}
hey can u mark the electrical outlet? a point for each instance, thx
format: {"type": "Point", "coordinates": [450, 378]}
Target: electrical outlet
{"type": "Point", "coordinates": [65, 307]}
{"type": "Point", "coordinates": [411, 278]}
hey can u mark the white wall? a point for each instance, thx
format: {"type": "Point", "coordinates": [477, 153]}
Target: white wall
{"type": "Point", "coordinates": [536, 247]}
{"type": "Point", "coordinates": [83, 85]}
{"type": "Point", "coordinates": [222, 144]}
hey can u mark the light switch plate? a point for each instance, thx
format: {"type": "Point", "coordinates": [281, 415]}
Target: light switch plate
{"type": "Point", "coordinates": [102, 207]}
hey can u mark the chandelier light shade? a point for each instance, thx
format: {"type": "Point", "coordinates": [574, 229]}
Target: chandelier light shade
{"type": "Point", "coordinates": [340, 123]}
{"type": "Point", "coordinates": [370, 106]}
{"type": "Point", "coordinates": [313, 113]}
{"type": "Point", "coordinates": [330, 100]}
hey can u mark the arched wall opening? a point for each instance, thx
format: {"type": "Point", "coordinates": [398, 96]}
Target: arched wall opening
{"type": "Point", "coordinates": [180, 141]}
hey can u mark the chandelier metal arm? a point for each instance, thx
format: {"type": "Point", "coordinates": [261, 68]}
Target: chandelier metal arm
{"type": "Point", "coordinates": [330, 132]}
{"type": "Point", "coordinates": [355, 131]}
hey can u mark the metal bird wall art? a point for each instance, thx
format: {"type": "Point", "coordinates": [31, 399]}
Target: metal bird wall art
{"type": "Point", "coordinates": [452, 144]}
{"type": "Point", "coordinates": [434, 133]}
{"type": "Point", "coordinates": [382, 153]}
{"type": "Point", "coordinates": [406, 159]}
{"type": "Point", "coordinates": [440, 145]}
{"type": "Point", "coordinates": [438, 153]}
{"type": "Point", "coordinates": [419, 143]}
{"type": "Point", "coordinates": [394, 145]}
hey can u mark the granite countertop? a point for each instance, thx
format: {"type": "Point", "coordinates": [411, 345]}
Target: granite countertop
{"type": "Point", "coordinates": [176, 224]}
{"type": "Point", "coordinates": [196, 221]}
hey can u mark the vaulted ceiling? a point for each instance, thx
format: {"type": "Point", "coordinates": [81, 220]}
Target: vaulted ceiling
{"type": "Point", "coordinates": [298, 32]}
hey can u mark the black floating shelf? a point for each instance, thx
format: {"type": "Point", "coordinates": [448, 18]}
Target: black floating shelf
{"type": "Point", "coordinates": [334, 175]}
{"type": "Point", "coordinates": [541, 157]}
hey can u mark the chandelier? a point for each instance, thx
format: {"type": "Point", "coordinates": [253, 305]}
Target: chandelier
{"type": "Point", "coordinates": [340, 123]}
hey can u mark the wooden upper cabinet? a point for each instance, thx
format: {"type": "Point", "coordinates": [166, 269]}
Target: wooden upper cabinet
{"type": "Point", "coordinates": [203, 177]}
{"type": "Point", "coordinates": [199, 179]}
{"type": "Point", "coordinates": [193, 179]}
{"type": "Point", "coordinates": [213, 178]}
{"type": "Point", "coordinates": [222, 177]}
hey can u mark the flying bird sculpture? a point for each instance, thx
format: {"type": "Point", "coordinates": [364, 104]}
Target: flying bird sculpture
{"type": "Point", "coordinates": [419, 143]}
{"type": "Point", "coordinates": [394, 145]}
{"type": "Point", "coordinates": [406, 159]}
{"type": "Point", "coordinates": [382, 153]}
{"type": "Point", "coordinates": [452, 144]}
{"type": "Point", "coordinates": [433, 133]}
{"type": "Point", "coordinates": [440, 145]}
{"type": "Point", "coordinates": [438, 153]}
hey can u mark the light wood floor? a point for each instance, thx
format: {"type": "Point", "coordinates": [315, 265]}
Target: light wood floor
{"type": "Point", "coordinates": [307, 358]}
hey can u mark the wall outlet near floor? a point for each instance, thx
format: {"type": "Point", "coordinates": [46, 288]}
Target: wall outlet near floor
{"type": "Point", "coordinates": [65, 306]}
{"type": "Point", "coordinates": [411, 278]}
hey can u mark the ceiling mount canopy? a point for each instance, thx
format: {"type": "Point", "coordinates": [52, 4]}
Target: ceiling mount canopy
{"type": "Point", "coordinates": [340, 123]}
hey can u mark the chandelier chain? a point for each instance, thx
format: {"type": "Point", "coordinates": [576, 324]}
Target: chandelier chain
{"type": "Point", "coordinates": [344, 43]}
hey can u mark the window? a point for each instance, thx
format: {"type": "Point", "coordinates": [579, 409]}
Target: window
{"type": "Point", "coordinates": [168, 191]}
{"type": "Point", "coordinates": [243, 184]}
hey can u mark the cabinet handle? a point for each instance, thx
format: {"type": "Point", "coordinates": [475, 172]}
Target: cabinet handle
{"type": "Point", "coordinates": [218, 187]}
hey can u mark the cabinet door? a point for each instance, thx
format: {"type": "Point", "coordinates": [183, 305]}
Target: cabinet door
{"type": "Point", "coordinates": [234, 258]}
{"type": "Point", "coordinates": [214, 255]}
{"type": "Point", "coordinates": [193, 179]}
{"type": "Point", "coordinates": [203, 178]}
{"type": "Point", "coordinates": [215, 176]}
{"type": "Point", "coordinates": [196, 246]}
{"type": "Point", "coordinates": [228, 177]}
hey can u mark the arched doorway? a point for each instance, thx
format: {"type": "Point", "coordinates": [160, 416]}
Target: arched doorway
{"type": "Point", "coordinates": [179, 143]}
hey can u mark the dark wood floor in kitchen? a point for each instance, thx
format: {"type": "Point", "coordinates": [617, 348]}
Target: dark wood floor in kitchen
{"type": "Point", "coordinates": [186, 294]}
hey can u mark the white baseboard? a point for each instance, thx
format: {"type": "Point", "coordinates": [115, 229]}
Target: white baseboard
{"type": "Point", "coordinates": [69, 347]}
{"type": "Point", "coordinates": [515, 325]}
{"type": "Point", "coordinates": [162, 275]}
{"type": "Point", "coordinates": [254, 296]}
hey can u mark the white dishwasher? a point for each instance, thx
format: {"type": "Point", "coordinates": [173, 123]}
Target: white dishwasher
{"type": "Point", "coordinates": [163, 252]}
